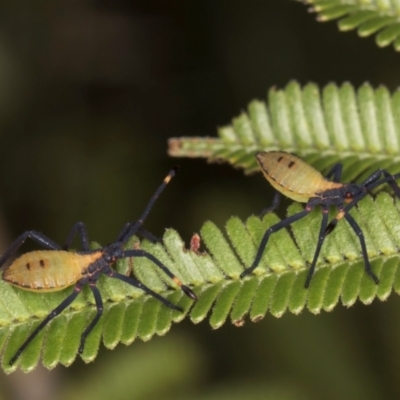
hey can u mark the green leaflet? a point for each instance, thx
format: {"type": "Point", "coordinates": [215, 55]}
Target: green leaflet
{"type": "Point", "coordinates": [277, 286]}
{"type": "Point", "coordinates": [367, 16]}
{"type": "Point", "coordinates": [360, 129]}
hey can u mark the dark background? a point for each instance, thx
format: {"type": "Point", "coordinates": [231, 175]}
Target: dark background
{"type": "Point", "coordinates": [90, 91]}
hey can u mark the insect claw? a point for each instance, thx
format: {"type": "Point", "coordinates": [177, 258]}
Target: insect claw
{"type": "Point", "coordinates": [176, 308]}
{"type": "Point", "coordinates": [81, 347]}
{"type": "Point", "coordinates": [189, 292]}
{"type": "Point", "coordinates": [244, 273]}
{"type": "Point", "coordinates": [374, 277]}
{"type": "Point", "coordinates": [12, 361]}
{"type": "Point", "coordinates": [331, 226]}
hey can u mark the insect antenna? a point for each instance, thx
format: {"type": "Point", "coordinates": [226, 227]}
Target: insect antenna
{"type": "Point", "coordinates": [131, 228]}
{"type": "Point", "coordinates": [137, 227]}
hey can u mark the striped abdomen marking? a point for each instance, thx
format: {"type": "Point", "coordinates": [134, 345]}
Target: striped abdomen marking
{"type": "Point", "coordinates": [292, 176]}
{"type": "Point", "coordinates": [48, 270]}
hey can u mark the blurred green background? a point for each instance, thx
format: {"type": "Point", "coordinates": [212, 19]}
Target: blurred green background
{"type": "Point", "coordinates": [90, 91]}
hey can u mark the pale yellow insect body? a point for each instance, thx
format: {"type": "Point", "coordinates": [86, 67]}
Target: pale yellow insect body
{"type": "Point", "coordinates": [48, 270]}
{"type": "Point", "coordinates": [292, 176]}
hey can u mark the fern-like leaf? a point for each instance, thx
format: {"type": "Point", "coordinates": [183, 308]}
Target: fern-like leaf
{"type": "Point", "coordinates": [359, 129]}
{"type": "Point", "coordinates": [277, 286]}
{"type": "Point", "coordinates": [367, 16]}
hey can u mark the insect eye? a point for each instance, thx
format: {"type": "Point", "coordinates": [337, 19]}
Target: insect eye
{"type": "Point", "coordinates": [109, 259]}
{"type": "Point", "coordinates": [348, 197]}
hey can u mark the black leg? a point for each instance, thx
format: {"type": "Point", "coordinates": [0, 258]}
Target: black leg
{"type": "Point", "coordinates": [143, 253]}
{"type": "Point", "coordinates": [269, 232]}
{"type": "Point", "coordinates": [65, 303]}
{"type": "Point", "coordinates": [370, 183]}
{"type": "Point", "coordinates": [99, 307]}
{"type": "Point", "coordinates": [336, 172]}
{"type": "Point", "coordinates": [388, 178]}
{"type": "Point", "coordinates": [360, 235]}
{"type": "Point", "coordinates": [140, 285]}
{"type": "Point", "coordinates": [124, 231]}
{"type": "Point", "coordinates": [78, 228]}
{"type": "Point", "coordinates": [35, 236]}
{"type": "Point", "coordinates": [321, 239]}
{"type": "Point", "coordinates": [273, 206]}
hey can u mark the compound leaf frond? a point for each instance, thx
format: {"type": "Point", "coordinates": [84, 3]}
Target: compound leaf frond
{"type": "Point", "coordinates": [360, 129]}
{"type": "Point", "coordinates": [276, 287]}
{"type": "Point", "coordinates": [367, 16]}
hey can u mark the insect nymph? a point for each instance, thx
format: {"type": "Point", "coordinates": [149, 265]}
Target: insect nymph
{"type": "Point", "coordinates": [56, 268]}
{"type": "Point", "coordinates": [296, 179]}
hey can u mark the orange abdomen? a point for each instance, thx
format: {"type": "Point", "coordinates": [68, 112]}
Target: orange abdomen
{"type": "Point", "coordinates": [48, 270]}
